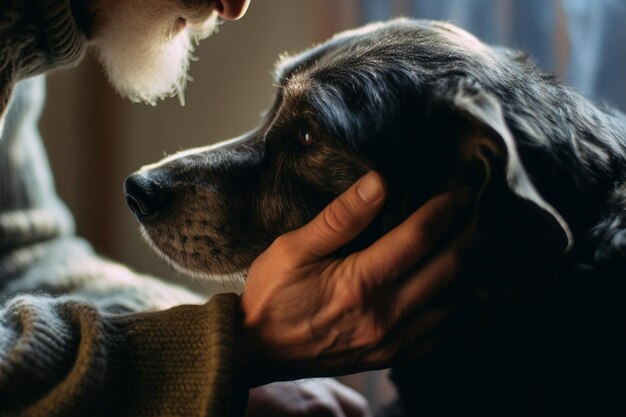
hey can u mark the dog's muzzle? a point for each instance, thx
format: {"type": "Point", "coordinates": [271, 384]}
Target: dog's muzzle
{"type": "Point", "coordinates": [144, 197]}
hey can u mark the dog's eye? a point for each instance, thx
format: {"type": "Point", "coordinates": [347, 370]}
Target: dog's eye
{"type": "Point", "coordinates": [304, 138]}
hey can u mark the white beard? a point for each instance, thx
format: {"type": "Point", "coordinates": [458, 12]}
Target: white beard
{"type": "Point", "coordinates": [146, 59]}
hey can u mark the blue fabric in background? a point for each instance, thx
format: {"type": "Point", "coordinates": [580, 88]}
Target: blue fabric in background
{"type": "Point", "coordinates": [594, 33]}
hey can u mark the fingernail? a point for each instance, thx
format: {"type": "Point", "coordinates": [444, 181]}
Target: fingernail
{"type": "Point", "coordinates": [369, 188]}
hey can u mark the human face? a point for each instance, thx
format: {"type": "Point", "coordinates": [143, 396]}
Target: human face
{"type": "Point", "coordinates": [146, 46]}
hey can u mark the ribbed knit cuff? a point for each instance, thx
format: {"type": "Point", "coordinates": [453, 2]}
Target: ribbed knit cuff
{"type": "Point", "coordinates": [65, 42]}
{"type": "Point", "coordinates": [36, 36]}
{"type": "Point", "coordinates": [177, 362]}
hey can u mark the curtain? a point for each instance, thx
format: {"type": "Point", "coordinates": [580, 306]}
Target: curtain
{"type": "Point", "coordinates": [583, 41]}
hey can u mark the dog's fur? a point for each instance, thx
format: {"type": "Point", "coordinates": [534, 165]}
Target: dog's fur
{"type": "Point", "coordinates": [432, 108]}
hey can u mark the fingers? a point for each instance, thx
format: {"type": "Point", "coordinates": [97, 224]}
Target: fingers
{"type": "Point", "coordinates": [411, 334]}
{"type": "Point", "coordinates": [352, 403]}
{"type": "Point", "coordinates": [396, 252]}
{"type": "Point", "coordinates": [341, 221]}
{"type": "Point", "coordinates": [435, 277]}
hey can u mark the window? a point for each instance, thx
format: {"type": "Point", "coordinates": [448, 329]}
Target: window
{"type": "Point", "coordinates": [583, 41]}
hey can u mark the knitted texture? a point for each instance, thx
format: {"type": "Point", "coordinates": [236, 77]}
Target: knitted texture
{"type": "Point", "coordinates": [81, 335]}
{"type": "Point", "coordinates": [35, 36]}
{"type": "Point", "coordinates": [175, 362]}
{"type": "Point", "coordinates": [30, 211]}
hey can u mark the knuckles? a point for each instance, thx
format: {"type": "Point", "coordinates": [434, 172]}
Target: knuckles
{"type": "Point", "coordinates": [283, 248]}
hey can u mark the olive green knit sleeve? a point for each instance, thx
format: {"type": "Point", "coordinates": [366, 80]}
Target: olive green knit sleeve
{"type": "Point", "coordinates": [65, 358]}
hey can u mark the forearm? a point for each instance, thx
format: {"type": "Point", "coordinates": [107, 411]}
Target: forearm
{"type": "Point", "coordinates": [66, 358]}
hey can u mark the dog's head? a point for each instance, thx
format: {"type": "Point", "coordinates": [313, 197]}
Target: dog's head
{"type": "Point", "coordinates": [424, 103]}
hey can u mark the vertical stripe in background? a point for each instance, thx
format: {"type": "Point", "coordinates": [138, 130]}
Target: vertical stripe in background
{"type": "Point", "coordinates": [583, 41]}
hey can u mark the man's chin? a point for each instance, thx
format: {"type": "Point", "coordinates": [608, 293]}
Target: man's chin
{"type": "Point", "coordinates": [147, 76]}
{"type": "Point", "coordinates": [146, 66]}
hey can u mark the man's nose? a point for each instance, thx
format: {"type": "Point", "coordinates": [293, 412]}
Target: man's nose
{"type": "Point", "coordinates": [231, 9]}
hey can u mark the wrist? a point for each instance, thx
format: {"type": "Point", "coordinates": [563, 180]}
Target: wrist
{"type": "Point", "coordinates": [253, 364]}
{"type": "Point", "coordinates": [250, 369]}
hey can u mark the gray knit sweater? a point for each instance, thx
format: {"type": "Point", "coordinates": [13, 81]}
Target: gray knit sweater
{"type": "Point", "coordinates": [80, 335]}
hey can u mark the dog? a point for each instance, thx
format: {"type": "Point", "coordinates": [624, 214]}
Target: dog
{"type": "Point", "coordinates": [432, 108]}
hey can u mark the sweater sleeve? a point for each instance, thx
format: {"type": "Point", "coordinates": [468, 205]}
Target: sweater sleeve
{"type": "Point", "coordinates": [84, 336]}
{"type": "Point", "coordinates": [62, 357]}
{"type": "Point", "coordinates": [80, 335]}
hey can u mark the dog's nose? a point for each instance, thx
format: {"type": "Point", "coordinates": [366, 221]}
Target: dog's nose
{"type": "Point", "coordinates": [144, 197]}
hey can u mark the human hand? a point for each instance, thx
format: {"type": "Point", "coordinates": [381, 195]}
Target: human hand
{"type": "Point", "coordinates": [307, 398]}
{"type": "Point", "coordinates": [307, 313]}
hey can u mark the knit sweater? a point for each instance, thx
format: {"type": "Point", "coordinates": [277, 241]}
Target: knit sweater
{"type": "Point", "coordinates": [81, 335]}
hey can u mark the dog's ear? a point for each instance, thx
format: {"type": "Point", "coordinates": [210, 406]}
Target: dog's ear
{"type": "Point", "coordinates": [516, 228]}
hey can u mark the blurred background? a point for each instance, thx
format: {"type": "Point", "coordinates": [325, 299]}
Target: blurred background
{"type": "Point", "coordinates": [95, 139]}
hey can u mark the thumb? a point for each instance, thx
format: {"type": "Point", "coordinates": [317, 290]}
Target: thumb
{"type": "Point", "coordinates": [341, 221]}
